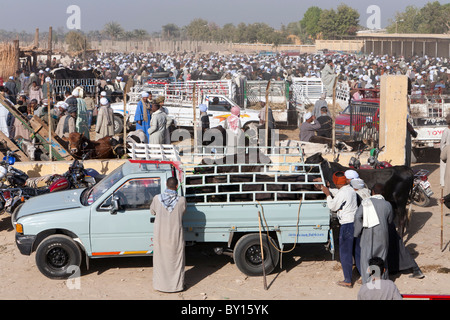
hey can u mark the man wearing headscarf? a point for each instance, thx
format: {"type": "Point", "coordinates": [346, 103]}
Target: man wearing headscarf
{"type": "Point", "coordinates": [308, 127]}
{"type": "Point", "coordinates": [105, 120]}
{"type": "Point", "coordinates": [168, 247]}
{"type": "Point", "coordinates": [372, 220]}
{"type": "Point", "coordinates": [67, 123]}
{"type": "Point", "coordinates": [142, 116]}
{"type": "Point", "coordinates": [204, 118]}
{"type": "Point", "coordinates": [235, 135]}
{"type": "Point", "coordinates": [328, 77]}
{"type": "Point", "coordinates": [82, 123]}
{"type": "Point", "coordinates": [344, 203]}
{"type": "Point", "coordinates": [157, 130]}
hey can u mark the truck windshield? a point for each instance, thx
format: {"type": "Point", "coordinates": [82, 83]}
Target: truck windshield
{"type": "Point", "coordinates": [92, 194]}
{"type": "Point", "coordinates": [361, 108]}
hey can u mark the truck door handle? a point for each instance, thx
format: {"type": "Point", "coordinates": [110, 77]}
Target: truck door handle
{"type": "Point", "coordinates": [152, 220]}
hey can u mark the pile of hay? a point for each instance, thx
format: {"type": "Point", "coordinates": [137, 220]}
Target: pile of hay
{"type": "Point", "coordinates": [9, 57]}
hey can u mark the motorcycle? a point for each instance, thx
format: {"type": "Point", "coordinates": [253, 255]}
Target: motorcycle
{"type": "Point", "coordinates": [421, 192]}
{"type": "Point", "coordinates": [20, 188]}
{"type": "Point", "coordinates": [372, 162]}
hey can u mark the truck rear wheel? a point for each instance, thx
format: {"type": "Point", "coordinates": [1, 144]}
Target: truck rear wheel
{"type": "Point", "coordinates": [247, 255]}
{"type": "Point", "coordinates": [118, 124]}
{"type": "Point", "coordinates": [57, 255]}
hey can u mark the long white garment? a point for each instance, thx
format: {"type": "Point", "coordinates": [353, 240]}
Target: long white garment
{"type": "Point", "coordinates": [3, 120]}
{"type": "Point", "coordinates": [445, 140]}
{"type": "Point", "coordinates": [168, 246]}
{"type": "Point", "coordinates": [370, 217]}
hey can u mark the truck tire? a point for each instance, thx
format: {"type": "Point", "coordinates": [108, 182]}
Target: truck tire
{"type": "Point", "coordinates": [247, 255]}
{"type": "Point", "coordinates": [118, 124]}
{"type": "Point", "coordinates": [56, 255]}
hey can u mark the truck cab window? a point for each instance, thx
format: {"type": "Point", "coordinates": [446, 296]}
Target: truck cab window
{"type": "Point", "coordinates": [135, 194]}
{"type": "Point", "coordinates": [217, 104]}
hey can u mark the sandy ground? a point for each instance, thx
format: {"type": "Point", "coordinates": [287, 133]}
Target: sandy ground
{"type": "Point", "coordinates": [307, 273]}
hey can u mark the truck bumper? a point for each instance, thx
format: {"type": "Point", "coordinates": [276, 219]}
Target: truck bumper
{"type": "Point", "coordinates": [25, 243]}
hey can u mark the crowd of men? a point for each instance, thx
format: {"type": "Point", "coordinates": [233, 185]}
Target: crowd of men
{"type": "Point", "coordinates": [28, 90]}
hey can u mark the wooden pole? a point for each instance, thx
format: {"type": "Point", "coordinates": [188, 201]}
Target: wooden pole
{"type": "Point", "coordinates": [262, 251]}
{"type": "Point", "coordinates": [125, 91]}
{"type": "Point", "coordinates": [194, 110]}
{"type": "Point", "coordinates": [442, 218]}
{"type": "Point", "coordinates": [266, 141]}
{"type": "Point", "coordinates": [50, 46]}
{"type": "Point", "coordinates": [333, 115]}
{"type": "Point", "coordinates": [49, 121]}
{"type": "Point", "coordinates": [36, 38]}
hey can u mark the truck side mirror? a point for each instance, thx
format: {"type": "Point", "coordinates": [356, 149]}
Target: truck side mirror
{"type": "Point", "coordinates": [115, 205]}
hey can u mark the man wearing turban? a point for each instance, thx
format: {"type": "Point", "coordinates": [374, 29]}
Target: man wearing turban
{"type": "Point", "coordinates": [344, 203]}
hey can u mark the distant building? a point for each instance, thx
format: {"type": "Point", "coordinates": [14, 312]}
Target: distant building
{"type": "Point", "coordinates": [399, 44]}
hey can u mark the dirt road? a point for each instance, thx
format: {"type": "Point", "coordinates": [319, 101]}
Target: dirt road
{"type": "Point", "coordinates": [307, 273]}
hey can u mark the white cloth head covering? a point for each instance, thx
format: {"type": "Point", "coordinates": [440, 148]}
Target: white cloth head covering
{"type": "Point", "coordinates": [357, 184]}
{"type": "Point", "coordinates": [308, 116]}
{"type": "Point", "coordinates": [104, 101]}
{"type": "Point", "coordinates": [203, 107]}
{"type": "Point", "coordinates": [351, 174]}
{"type": "Point", "coordinates": [145, 94]}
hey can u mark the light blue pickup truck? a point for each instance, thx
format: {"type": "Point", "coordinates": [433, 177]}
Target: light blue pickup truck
{"type": "Point", "coordinates": [113, 219]}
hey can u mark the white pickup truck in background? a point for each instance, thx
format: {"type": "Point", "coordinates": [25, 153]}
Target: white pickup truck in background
{"type": "Point", "coordinates": [428, 114]}
{"type": "Point", "coordinates": [218, 95]}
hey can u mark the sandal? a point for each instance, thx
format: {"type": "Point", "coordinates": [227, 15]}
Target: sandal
{"type": "Point", "coordinates": [345, 284]}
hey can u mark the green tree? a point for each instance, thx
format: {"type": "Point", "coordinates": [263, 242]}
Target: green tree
{"type": "Point", "coordinates": [170, 31]}
{"type": "Point", "coordinates": [198, 30]}
{"type": "Point", "coordinates": [432, 18]}
{"type": "Point", "coordinates": [327, 23]}
{"type": "Point", "coordinates": [310, 22]}
{"type": "Point", "coordinates": [435, 18]}
{"type": "Point", "coordinates": [140, 34]}
{"type": "Point", "coordinates": [228, 32]}
{"type": "Point", "coordinates": [341, 23]}
{"type": "Point", "coordinates": [347, 20]}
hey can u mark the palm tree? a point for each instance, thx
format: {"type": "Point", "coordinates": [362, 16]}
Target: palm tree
{"type": "Point", "coordinates": [113, 30]}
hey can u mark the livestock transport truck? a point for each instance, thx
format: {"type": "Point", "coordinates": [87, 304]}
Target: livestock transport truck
{"type": "Point", "coordinates": [112, 219]}
{"type": "Point", "coordinates": [220, 96]}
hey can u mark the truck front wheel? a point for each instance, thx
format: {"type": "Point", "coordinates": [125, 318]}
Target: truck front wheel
{"type": "Point", "coordinates": [57, 256]}
{"type": "Point", "coordinates": [247, 255]}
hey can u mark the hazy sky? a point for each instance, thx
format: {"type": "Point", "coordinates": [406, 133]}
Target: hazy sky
{"type": "Point", "coordinates": [151, 14]}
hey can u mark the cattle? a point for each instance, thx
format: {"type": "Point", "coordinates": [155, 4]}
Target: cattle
{"type": "Point", "coordinates": [81, 147]}
{"type": "Point", "coordinates": [397, 181]}
{"type": "Point", "coordinates": [66, 73]}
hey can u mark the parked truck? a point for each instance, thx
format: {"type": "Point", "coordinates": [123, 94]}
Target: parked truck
{"type": "Point", "coordinates": [179, 101]}
{"type": "Point", "coordinates": [428, 113]}
{"type": "Point", "coordinates": [112, 218]}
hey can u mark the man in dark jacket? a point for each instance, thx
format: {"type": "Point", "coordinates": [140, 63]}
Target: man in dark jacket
{"type": "Point", "coordinates": [326, 124]}
{"type": "Point", "coordinates": [12, 88]}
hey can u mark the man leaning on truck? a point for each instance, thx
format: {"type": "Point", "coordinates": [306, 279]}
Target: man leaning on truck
{"type": "Point", "coordinates": [345, 204]}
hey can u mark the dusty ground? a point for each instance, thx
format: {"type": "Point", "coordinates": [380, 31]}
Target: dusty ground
{"type": "Point", "coordinates": [307, 273]}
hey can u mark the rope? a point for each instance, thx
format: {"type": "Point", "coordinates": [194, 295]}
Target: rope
{"type": "Point", "coordinates": [267, 228]}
